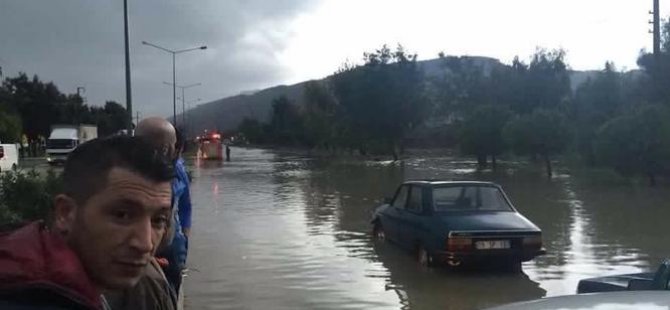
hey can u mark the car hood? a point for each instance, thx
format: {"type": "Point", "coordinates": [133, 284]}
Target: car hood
{"type": "Point", "coordinates": [633, 300]}
{"type": "Point", "coordinates": [485, 221]}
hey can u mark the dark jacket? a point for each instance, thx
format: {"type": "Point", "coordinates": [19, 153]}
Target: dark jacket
{"type": "Point", "coordinates": [152, 292]}
{"type": "Point", "coordinates": [39, 271]}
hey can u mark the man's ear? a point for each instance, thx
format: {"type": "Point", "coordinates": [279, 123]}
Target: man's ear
{"type": "Point", "coordinates": [65, 212]}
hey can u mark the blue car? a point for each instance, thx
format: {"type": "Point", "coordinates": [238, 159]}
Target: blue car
{"type": "Point", "coordinates": [457, 223]}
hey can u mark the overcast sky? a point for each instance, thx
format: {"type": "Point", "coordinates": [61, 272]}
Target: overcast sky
{"type": "Point", "coordinates": [255, 44]}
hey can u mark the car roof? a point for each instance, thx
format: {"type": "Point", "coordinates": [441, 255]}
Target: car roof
{"type": "Point", "coordinates": [431, 182]}
{"type": "Point", "coordinates": [634, 300]}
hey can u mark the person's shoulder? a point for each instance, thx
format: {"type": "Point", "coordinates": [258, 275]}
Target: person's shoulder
{"type": "Point", "coordinates": [12, 305]}
{"type": "Point", "coordinates": [39, 298]}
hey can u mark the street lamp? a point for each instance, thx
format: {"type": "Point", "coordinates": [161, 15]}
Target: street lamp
{"type": "Point", "coordinates": [174, 73]}
{"type": "Point", "coordinates": [183, 100]}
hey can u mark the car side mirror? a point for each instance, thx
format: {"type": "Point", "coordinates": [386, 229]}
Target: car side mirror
{"type": "Point", "coordinates": [387, 200]}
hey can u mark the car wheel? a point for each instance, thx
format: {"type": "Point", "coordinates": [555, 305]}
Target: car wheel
{"type": "Point", "coordinates": [378, 232]}
{"type": "Point", "coordinates": [514, 267]}
{"type": "Point", "coordinates": [423, 257]}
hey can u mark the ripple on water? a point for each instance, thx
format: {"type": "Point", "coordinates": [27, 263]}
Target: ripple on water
{"type": "Point", "coordinates": [277, 231]}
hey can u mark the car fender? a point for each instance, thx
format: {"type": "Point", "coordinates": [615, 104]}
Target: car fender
{"type": "Point", "coordinates": [376, 213]}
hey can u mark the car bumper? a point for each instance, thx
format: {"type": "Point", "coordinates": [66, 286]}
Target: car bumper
{"type": "Point", "coordinates": [56, 158]}
{"type": "Point", "coordinates": [488, 256]}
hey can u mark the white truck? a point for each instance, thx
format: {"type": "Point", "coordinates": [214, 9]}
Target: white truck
{"type": "Point", "coordinates": [9, 156]}
{"type": "Point", "coordinates": [65, 138]}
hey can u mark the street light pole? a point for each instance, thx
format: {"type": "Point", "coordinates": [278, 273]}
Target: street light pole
{"type": "Point", "coordinates": [174, 73]}
{"type": "Point", "coordinates": [129, 98]}
{"type": "Point", "coordinates": [183, 99]}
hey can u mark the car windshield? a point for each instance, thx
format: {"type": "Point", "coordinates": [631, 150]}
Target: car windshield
{"type": "Point", "coordinates": [469, 198]}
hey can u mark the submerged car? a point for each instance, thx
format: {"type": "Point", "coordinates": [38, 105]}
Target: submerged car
{"type": "Point", "coordinates": [457, 222]}
{"type": "Point", "coordinates": [628, 282]}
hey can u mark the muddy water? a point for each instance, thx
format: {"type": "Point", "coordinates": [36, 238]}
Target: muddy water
{"type": "Point", "coordinates": [281, 231]}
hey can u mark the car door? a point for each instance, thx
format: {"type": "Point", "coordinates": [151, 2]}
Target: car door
{"type": "Point", "coordinates": [394, 214]}
{"type": "Point", "coordinates": [413, 226]}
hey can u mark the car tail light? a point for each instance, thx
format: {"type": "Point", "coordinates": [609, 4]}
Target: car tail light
{"type": "Point", "coordinates": [2, 152]}
{"type": "Point", "coordinates": [532, 241]}
{"type": "Point", "coordinates": [459, 244]}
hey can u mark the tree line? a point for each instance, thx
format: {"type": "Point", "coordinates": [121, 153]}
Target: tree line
{"type": "Point", "coordinates": [29, 107]}
{"type": "Point", "coordinates": [614, 119]}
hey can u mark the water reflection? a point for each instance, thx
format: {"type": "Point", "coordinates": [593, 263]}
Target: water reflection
{"type": "Point", "coordinates": [419, 288]}
{"type": "Point", "coordinates": [285, 231]}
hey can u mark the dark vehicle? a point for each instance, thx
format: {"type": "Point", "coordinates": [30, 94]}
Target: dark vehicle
{"type": "Point", "coordinates": [614, 300]}
{"type": "Point", "coordinates": [471, 223]}
{"type": "Point", "coordinates": [646, 281]}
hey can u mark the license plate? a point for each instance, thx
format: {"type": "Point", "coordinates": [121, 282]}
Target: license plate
{"type": "Point", "coordinates": [492, 244]}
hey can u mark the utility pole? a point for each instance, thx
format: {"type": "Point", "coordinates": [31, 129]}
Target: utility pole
{"type": "Point", "coordinates": [656, 22]}
{"type": "Point", "coordinates": [129, 99]}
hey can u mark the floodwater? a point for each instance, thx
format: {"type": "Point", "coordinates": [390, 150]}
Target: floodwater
{"type": "Point", "coordinates": [281, 231]}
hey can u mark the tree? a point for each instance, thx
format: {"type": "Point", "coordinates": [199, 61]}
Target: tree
{"type": "Point", "coordinates": [286, 123]}
{"type": "Point", "coordinates": [462, 86]}
{"type": "Point", "coordinates": [252, 130]}
{"type": "Point", "coordinates": [596, 101]}
{"type": "Point", "coordinates": [320, 115]}
{"type": "Point", "coordinates": [36, 103]}
{"type": "Point", "coordinates": [636, 143]}
{"type": "Point", "coordinates": [382, 99]}
{"type": "Point", "coordinates": [544, 83]}
{"type": "Point", "coordinates": [547, 80]}
{"type": "Point", "coordinates": [482, 133]}
{"type": "Point", "coordinates": [542, 133]}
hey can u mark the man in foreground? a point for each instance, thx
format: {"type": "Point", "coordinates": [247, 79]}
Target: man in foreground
{"type": "Point", "coordinates": [107, 223]}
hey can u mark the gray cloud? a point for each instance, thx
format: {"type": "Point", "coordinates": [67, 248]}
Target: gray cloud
{"type": "Point", "coordinates": [80, 43]}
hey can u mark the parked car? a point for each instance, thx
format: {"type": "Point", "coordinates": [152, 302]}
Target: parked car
{"type": "Point", "coordinates": [638, 300]}
{"type": "Point", "coordinates": [628, 282]}
{"type": "Point", "coordinates": [9, 157]}
{"type": "Point", "coordinates": [471, 223]}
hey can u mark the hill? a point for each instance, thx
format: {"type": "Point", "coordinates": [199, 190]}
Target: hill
{"type": "Point", "coordinates": [227, 113]}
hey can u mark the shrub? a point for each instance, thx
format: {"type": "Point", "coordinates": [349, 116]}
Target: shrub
{"type": "Point", "coordinates": [27, 196]}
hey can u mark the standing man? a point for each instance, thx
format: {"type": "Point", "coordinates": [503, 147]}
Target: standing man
{"type": "Point", "coordinates": [164, 136]}
{"type": "Point", "coordinates": [107, 223]}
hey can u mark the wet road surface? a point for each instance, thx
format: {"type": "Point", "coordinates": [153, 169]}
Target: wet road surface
{"type": "Point", "coordinates": [280, 231]}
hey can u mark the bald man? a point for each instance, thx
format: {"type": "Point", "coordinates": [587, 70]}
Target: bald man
{"type": "Point", "coordinates": [160, 132]}
{"type": "Point", "coordinates": [164, 135]}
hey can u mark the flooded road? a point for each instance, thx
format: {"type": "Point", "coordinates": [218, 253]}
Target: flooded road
{"type": "Point", "coordinates": [281, 231]}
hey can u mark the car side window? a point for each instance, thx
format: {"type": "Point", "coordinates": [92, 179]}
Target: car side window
{"type": "Point", "coordinates": [415, 199]}
{"type": "Point", "coordinates": [401, 197]}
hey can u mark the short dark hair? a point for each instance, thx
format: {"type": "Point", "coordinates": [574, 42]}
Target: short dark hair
{"type": "Point", "coordinates": [88, 166]}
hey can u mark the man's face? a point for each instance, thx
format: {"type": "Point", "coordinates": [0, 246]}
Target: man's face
{"type": "Point", "coordinates": [168, 146]}
{"type": "Point", "coordinates": [116, 232]}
